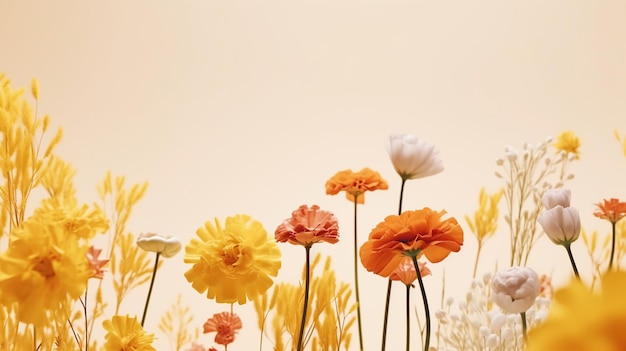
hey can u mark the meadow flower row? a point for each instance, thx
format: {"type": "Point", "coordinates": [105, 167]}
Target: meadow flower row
{"type": "Point", "coordinates": [52, 268]}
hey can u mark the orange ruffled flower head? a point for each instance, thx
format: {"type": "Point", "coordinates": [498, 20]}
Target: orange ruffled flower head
{"type": "Point", "coordinates": [412, 232]}
{"type": "Point", "coordinates": [225, 324]}
{"type": "Point", "coordinates": [405, 272]}
{"type": "Point", "coordinates": [307, 226]}
{"type": "Point", "coordinates": [355, 184]}
{"type": "Point", "coordinates": [612, 210]}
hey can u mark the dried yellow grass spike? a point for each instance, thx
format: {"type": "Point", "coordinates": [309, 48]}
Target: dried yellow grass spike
{"type": "Point", "coordinates": [34, 88]}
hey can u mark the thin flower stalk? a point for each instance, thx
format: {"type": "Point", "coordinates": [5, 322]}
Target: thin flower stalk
{"type": "Point", "coordinates": [154, 272]}
{"type": "Point", "coordinates": [389, 281]}
{"type": "Point", "coordinates": [307, 281]}
{"type": "Point", "coordinates": [424, 298]}
{"type": "Point", "coordinates": [356, 277]}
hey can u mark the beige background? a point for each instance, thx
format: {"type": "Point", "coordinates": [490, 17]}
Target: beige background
{"type": "Point", "coordinates": [229, 107]}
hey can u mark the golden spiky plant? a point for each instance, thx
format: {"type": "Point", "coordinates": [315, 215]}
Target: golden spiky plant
{"type": "Point", "coordinates": [175, 324]}
{"type": "Point", "coordinates": [23, 151]}
{"type": "Point", "coordinates": [130, 266]}
{"type": "Point", "coordinates": [485, 221]}
{"type": "Point", "coordinates": [330, 314]}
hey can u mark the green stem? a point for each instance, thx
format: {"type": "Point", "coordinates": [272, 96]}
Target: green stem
{"type": "Point", "coordinates": [86, 320]}
{"type": "Point", "coordinates": [524, 327]}
{"type": "Point", "coordinates": [388, 297]}
{"type": "Point", "coordinates": [408, 316]}
{"type": "Point", "coordinates": [426, 309]}
{"type": "Point", "coordinates": [307, 279]}
{"type": "Point", "coordinates": [571, 259]}
{"type": "Point", "coordinates": [356, 278]}
{"type": "Point", "coordinates": [612, 246]}
{"type": "Point", "coordinates": [386, 318]}
{"type": "Point", "coordinates": [154, 272]}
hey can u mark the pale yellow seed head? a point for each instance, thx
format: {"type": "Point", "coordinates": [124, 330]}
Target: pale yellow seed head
{"type": "Point", "coordinates": [34, 88]}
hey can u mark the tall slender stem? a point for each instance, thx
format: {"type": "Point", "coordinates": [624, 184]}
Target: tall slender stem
{"type": "Point", "coordinates": [388, 296]}
{"type": "Point", "coordinates": [408, 316]}
{"type": "Point", "coordinates": [386, 317]}
{"type": "Point", "coordinates": [426, 309]}
{"type": "Point", "coordinates": [86, 320]}
{"type": "Point", "coordinates": [480, 246]}
{"type": "Point", "coordinates": [305, 306]}
{"type": "Point", "coordinates": [571, 259]}
{"type": "Point", "coordinates": [154, 272]}
{"type": "Point", "coordinates": [612, 246]}
{"type": "Point", "coordinates": [356, 278]}
{"type": "Point", "coordinates": [524, 327]}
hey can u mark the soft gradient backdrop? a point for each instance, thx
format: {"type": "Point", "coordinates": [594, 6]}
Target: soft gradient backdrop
{"type": "Point", "coordinates": [229, 107]}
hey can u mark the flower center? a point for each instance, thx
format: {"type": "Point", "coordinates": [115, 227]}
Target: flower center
{"type": "Point", "coordinates": [231, 254]}
{"type": "Point", "coordinates": [43, 265]}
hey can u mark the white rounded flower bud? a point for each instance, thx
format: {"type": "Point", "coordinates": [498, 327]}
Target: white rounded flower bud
{"type": "Point", "coordinates": [164, 245]}
{"type": "Point", "coordinates": [514, 290]}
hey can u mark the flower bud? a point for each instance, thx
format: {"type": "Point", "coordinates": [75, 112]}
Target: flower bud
{"type": "Point", "coordinates": [164, 245]}
{"type": "Point", "coordinates": [562, 225]}
{"type": "Point", "coordinates": [554, 197]}
{"type": "Point", "coordinates": [515, 289]}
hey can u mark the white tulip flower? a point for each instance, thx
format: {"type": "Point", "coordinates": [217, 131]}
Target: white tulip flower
{"type": "Point", "coordinates": [561, 224]}
{"type": "Point", "coordinates": [555, 197]}
{"type": "Point", "coordinates": [413, 158]}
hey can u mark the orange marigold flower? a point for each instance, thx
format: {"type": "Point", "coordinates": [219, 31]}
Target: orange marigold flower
{"type": "Point", "coordinates": [225, 324]}
{"type": "Point", "coordinates": [355, 184]}
{"type": "Point", "coordinates": [405, 272]}
{"type": "Point", "coordinates": [612, 210]}
{"type": "Point", "coordinates": [308, 226]}
{"type": "Point", "coordinates": [412, 232]}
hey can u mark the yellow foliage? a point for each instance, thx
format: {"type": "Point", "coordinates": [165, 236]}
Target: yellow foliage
{"type": "Point", "coordinates": [330, 314]}
{"type": "Point", "coordinates": [21, 160]}
{"type": "Point", "coordinates": [175, 324]}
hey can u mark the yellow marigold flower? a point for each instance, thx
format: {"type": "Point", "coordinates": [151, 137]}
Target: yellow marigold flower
{"type": "Point", "coordinates": [232, 263]}
{"type": "Point", "coordinates": [82, 221]}
{"type": "Point", "coordinates": [582, 320]}
{"type": "Point", "coordinates": [41, 269]}
{"type": "Point", "coordinates": [126, 334]}
{"type": "Point", "coordinates": [355, 184]}
{"type": "Point", "coordinates": [568, 142]}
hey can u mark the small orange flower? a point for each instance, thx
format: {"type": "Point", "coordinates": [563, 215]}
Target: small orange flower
{"type": "Point", "coordinates": [308, 226]}
{"type": "Point", "coordinates": [225, 324]}
{"type": "Point", "coordinates": [355, 184]}
{"type": "Point", "coordinates": [405, 272]}
{"type": "Point", "coordinates": [412, 232]}
{"type": "Point", "coordinates": [545, 286]}
{"type": "Point", "coordinates": [95, 264]}
{"type": "Point", "coordinates": [612, 210]}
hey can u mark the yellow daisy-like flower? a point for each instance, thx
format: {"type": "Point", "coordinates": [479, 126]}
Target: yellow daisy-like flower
{"type": "Point", "coordinates": [568, 142]}
{"type": "Point", "coordinates": [126, 334]}
{"type": "Point", "coordinates": [41, 269]}
{"type": "Point", "coordinates": [82, 221]}
{"type": "Point", "coordinates": [581, 320]}
{"type": "Point", "coordinates": [232, 263]}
